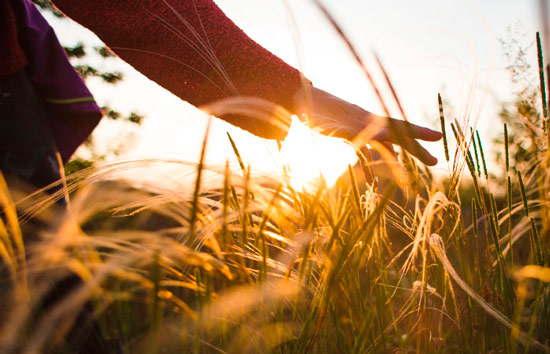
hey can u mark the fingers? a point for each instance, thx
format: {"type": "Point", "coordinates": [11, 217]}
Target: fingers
{"type": "Point", "coordinates": [428, 134]}
{"type": "Point", "coordinates": [406, 134]}
{"type": "Point", "coordinates": [417, 150]}
{"type": "Point", "coordinates": [402, 129]}
{"type": "Point", "coordinates": [387, 138]}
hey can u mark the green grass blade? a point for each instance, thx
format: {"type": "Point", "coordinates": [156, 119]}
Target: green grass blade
{"type": "Point", "coordinates": [443, 130]}
{"type": "Point", "coordinates": [541, 78]}
{"type": "Point", "coordinates": [237, 153]}
{"type": "Point", "coordinates": [506, 148]}
{"type": "Point", "coordinates": [478, 168]}
{"type": "Point", "coordinates": [523, 194]}
{"type": "Point", "coordinates": [482, 155]}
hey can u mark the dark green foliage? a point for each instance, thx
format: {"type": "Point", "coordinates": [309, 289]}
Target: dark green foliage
{"type": "Point", "coordinates": [76, 51]}
{"type": "Point", "coordinates": [77, 164]}
{"type": "Point", "coordinates": [104, 52]}
{"type": "Point", "coordinates": [135, 118]}
{"type": "Point", "coordinates": [116, 115]}
{"type": "Point", "coordinates": [111, 77]}
{"type": "Point", "coordinates": [47, 5]}
{"type": "Point", "coordinates": [87, 71]}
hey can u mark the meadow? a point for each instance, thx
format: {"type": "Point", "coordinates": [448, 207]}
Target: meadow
{"type": "Point", "coordinates": [253, 264]}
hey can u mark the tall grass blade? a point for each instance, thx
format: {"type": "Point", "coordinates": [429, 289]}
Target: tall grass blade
{"type": "Point", "coordinates": [539, 258]}
{"type": "Point", "coordinates": [476, 155]}
{"type": "Point", "coordinates": [443, 130]}
{"type": "Point", "coordinates": [237, 153]}
{"type": "Point", "coordinates": [482, 155]}
{"type": "Point", "coordinates": [459, 136]}
{"type": "Point", "coordinates": [506, 148]}
{"type": "Point", "coordinates": [355, 191]}
{"type": "Point", "coordinates": [474, 217]}
{"type": "Point", "coordinates": [196, 193]}
{"type": "Point", "coordinates": [542, 80]}
{"type": "Point", "coordinates": [11, 234]}
{"type": "Point", "coordinates": [523, 194]}
{"type": "Point", "coordinates": [509, 197]}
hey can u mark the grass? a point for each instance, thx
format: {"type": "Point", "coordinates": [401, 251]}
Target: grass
{"type": "Point", "coordinates": [248, 264]}
{"type": "Point", "coordinates": [252, 265]}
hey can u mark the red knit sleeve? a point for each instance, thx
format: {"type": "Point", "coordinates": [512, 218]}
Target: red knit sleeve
{"type": "Point", "coordinates": [12, 57]}
{"type": "Point", "coordinates": [192, 49]}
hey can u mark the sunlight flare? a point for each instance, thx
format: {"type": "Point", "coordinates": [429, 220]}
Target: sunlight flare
{"type": "Point", "coordinates": [308, 155]}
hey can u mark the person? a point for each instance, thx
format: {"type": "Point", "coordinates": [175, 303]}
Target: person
{"type": "Point", "coordinates": [187, 46]}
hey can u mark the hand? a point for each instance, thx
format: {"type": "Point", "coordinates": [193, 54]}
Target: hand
{"type": "Point", "coordinates": [334, 116]}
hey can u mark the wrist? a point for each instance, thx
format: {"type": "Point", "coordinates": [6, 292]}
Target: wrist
{"type": "Point", "coordinates": [301, 101]}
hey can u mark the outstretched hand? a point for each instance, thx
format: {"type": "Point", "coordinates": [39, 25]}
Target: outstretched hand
{"type": "Point", "coordinates": [339, 118]}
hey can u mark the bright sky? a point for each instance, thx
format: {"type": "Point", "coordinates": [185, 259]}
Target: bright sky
{"type": "Point", "coordinates": [426, 46]}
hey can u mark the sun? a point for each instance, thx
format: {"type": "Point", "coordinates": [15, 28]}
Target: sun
{"type": "Point", "coordinates": [308, 155]}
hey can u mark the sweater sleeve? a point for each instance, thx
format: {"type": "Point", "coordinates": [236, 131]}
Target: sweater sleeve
{"type": "Point", "coordinates": [192, 49]}
{"type": "Point", "coordinates": [12, 57]}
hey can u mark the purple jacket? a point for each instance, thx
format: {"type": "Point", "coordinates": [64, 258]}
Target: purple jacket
{"type": "Point", "coordinates": [70, 107]}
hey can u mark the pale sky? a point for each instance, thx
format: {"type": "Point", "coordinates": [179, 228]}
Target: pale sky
{"type": "Point", "coordinates": [426, 46]}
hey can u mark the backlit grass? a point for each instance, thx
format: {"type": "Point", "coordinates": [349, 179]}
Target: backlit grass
{"type": "Point", "coordinates": [241, 263]}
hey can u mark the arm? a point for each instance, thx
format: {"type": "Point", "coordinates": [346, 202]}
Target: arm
{"type": "Point", "coordinates": [192, 49]}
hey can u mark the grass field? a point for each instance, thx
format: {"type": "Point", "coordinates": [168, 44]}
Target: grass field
{"type": "Point", "coordinates": [252, 265]}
